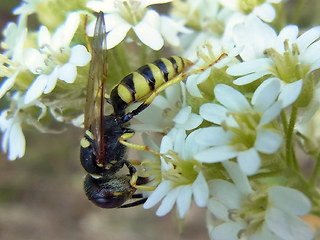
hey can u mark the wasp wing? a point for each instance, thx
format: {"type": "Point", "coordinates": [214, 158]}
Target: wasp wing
{"type": "Point", "coordinates": [94, 109]}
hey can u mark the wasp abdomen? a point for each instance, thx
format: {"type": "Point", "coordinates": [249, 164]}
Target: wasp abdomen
{"type": "Point", "coordinates": [138, 85]}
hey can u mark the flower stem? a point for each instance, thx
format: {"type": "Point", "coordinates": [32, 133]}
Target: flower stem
{"type": "Point", "coordinates": [316, 172]}
{"type": "Point", "coordinates": [291, 160]}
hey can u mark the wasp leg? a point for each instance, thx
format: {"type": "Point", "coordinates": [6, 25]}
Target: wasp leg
{"type": "Point", "coordinates": [138, 147]}
{"type": "Point", "coordinates": [133, 204]}
{"type": "Point", "coordinates": [149, 100]}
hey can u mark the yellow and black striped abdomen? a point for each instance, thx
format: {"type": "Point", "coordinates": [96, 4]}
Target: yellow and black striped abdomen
{"type": "Point", "coordinates": [139, 85]}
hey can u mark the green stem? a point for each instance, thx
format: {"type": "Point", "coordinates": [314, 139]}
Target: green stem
{"type": "Point", "coordinates": [284, 121]}
{"type": "Point", "coordinates": [291, 160]}
{"type": "Point", "coordinates": [316, 172]}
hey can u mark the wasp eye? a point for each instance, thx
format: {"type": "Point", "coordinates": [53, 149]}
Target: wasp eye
{"type": "Point", "coordinates": [108, 192]}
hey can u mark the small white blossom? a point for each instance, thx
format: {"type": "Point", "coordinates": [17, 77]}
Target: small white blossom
{"type": "Point", "coordinates": [147, 24]}
{"type": "Point", "coordinates": [54, 59]}
{"type": "Point", "coordinates": [27, 7]}
{"type": "Point", "coordinates": [262, 9]}
{"type": "Point", "coordinates": [287, 56]}
{"type": "Point", "coordinates": [238, 211]}
{"type": "Point", "coordinates": [181, 176]}
{"type": "Point", "coordinates": [168, 111]}
{"type": "Point", "coordinates": [13, 140]}
{"type": "Point", "coordinates": [11, 59]}
{"type": "Point", "coordinates": [243, 133]}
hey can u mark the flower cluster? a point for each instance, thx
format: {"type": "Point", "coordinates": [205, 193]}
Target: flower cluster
{"type": "Point", "coordinates": [227, 134]}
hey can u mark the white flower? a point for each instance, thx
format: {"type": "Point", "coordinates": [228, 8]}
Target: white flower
{"type": "Point", "coordinates": [286, 56]}
{"type": "Point", "coordinates": [147, 24]}
{"type": "Point", "coordinates": [13, 140]}
{"type": "Point", "coordinates": [27, 7]}
{"type": "Point", "coordinates": [54, 59]}
{"type": "Point", "coordinates": [243, 133]}
{"type": "Point", "coordinates": [262, 9]}
{"type": "Point", "coordinates": [11, 60]}
{"type": "Point", "coordinates": [182, 177]}
{"type": "Point", "coordinates": [241, 212]}
{"type": "Point", "coordinates": [168, 111]}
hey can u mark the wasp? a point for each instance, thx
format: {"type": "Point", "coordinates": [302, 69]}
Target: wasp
{"type": "Point", "coordinates": [103, 147]}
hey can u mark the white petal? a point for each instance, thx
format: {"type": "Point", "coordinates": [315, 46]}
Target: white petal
{"type": "Point", "coordinates": [252, 66]}
{"type": "Point", "coordinates": [193, 121]}
{"type": "Point", "coordinates": [249, 161]}
{"type": "Point", "coordinates": [315, 65]}
{"type": "Point", "coordinates": [44, 37]}
{"type": "Point", "coordinates": [17, 142]}
{"type": "Point", "coordinates": [179, 141]}
{"type": "Point", "coordinates": [51, 81]}
{"type": "Point", "coordinates": [307, 38]}
{"type": "Point", "coordinates": [182, 115]}
{"type": "Point", "coordinates": [213, 136]}
{"type": "Point", "coordinates": [213, 112]}
{"type": "Point", "coordinates": [33, 60]}
{"type": "Point", "coordinates": [231, 98]}
{"type": "Point", "coordinates": [219, 210]}
{"type": "Point", "coordinates": [67, 72]}
{"type": "Point", "coordinates": [36, 88]}
{"type": "Point", "coordinates": [146, 3]}
{"type": "Point", "coordinates": [250, 77]}
{"type": "Point", "coordinates": [265, 95]}
{"type": "Point", "coordinates": [200, 190]}
{"type": "Point", "coordinates": [267, 142]}
{"type": "Point", "coordinates": [290, 200]}
{"type": "Point", "coordinates": [79, 55]}
{"type": "Point", "coordinates": [225, 231]}
{"type": "Point", "coordinates": [113, 20]}
{"type": "Point", "coordinates": [7, 84]}
{"type": "Point", "coordinates": [168, 202]}
{"type": "Point", "coordinates": [116, 35]}
{"type": "Point", "coordinates": [192, 86]}
{"type": "Point", "coordinates": [289, 32]}
{"type": "Point", "coordinates": [265, 12]}
{"type": "Point", "coordinates": [270, 114]}
{"type": "Point", "coordinates": [98, 6]}
{"type": "Point", "coordinates": [149, 34]}
{"type": "Point", "coordinates": [216, 154]}
{"type": "Point", "coordinates": [238, 177]}
{"type": "Point", "coordinates": [290, 92]}
{"type": "Point", "coordinates": [184, 200]}
{"type": "Point", "coordinates": [264, 234]}
{"type": "Point", "coordinates": [170, 29]}
{"type": "Point", "coordinates": [287, 226]}
{"type": "Point", "coordinates": [227, 193]}
{"type": "Point", "coordinates": [64, 34]}
{"type": "Point", "coordinates": [166, 144]}
{"type": "Point", "coordinates": [156, 196]}
{"type": "Point", "coordinates": [310, 55]}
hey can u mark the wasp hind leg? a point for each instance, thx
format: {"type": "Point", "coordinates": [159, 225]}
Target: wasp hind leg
{"type": "Point", "coordinates": [135, 203]}
{"type": "Point", "coordinates": [149, 100]}
{"type": "Point", "coordinates": [123, 140]}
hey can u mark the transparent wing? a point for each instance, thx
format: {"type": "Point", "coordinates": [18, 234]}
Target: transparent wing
{"type": "Point", "coordinates": [94, 109]}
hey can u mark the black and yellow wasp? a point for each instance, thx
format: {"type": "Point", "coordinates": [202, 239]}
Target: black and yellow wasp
{"type": "Point", "coordinates": [103, 147]}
